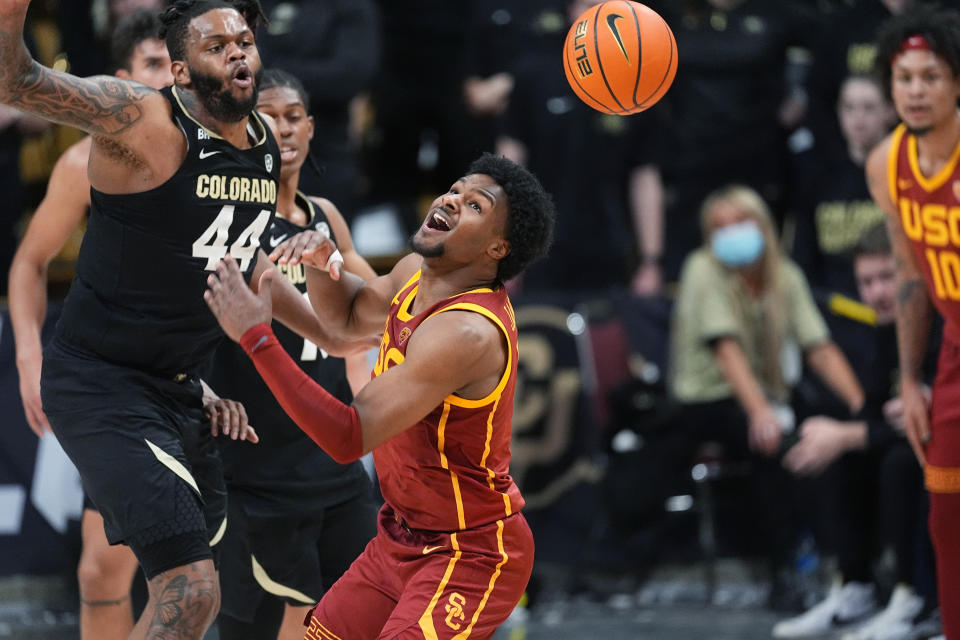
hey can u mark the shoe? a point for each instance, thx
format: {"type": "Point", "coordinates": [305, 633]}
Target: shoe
{"type": "Point", "coordinates": [895, 622]}
{"type": "Point", "coordinates": [844, 605]}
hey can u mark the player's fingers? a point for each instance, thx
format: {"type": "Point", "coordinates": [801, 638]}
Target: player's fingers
{"type": "Point", "coordinates": [213, 281]}
{"type": "Point", "coordinates": [791, 459]}
{"type": "Point", "coordinates": [335, 268]}
{"type": "Point", "coordinates": [213, 301]}
{"type": "Point", "coordinates": [284, 253]}
{"type": "Point", "coordinates": [231, 424]}
{"type": "Point", "coordinates": [301, 243]}
{"type": "Point", "coordinates": [265, 286]}
{"type": "Point", "coordinates": [242, 416]}
{"type": "Point", "coordinates": [250, 435]}
{"type": "Point", "coordinates": [278, 250]}
{"type": "Point", "coordinates": [235, 421]}
{"type": "Point", "coordinates": [36, 418]}
{"type": "Point", "coordinates": [214, 422]}
{"type": "Point", "coordinates": [913, 438]}
{"type": "Point", "coordinates": [923, 428]}
{"type": "Point", "coordinates": [43, 421]}
{"type": "Point", "coordinates": [33, 423]}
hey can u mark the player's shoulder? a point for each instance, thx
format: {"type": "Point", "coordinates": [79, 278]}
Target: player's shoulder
{"type": "Point", "coordinates": [469, 331]}
{"type": "Point", "coordinates": [77, 155]}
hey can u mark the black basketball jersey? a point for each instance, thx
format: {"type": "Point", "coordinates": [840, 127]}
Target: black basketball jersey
{"type": "Point", "coordinates": [137, 298]}
{"type": "Point", "coordinates": [286, 470]}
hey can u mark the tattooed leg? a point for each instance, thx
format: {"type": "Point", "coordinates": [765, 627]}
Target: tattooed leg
{"type": "Point", "coordinates": [183, 603]}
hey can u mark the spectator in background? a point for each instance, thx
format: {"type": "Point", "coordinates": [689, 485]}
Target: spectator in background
{"type": "Point", "coordinates": [740, 303]}
{"type": "Point", "coordinates": [518, 29]}
{"type": "Point", "coordinates": [417, 137]}
{"type": "Point", "coordinates": [602, 173]}
{"type": "Point", "coordinates": [86, 27]}
{"type": "Point", "coordinates": [333, 46]}
{"type": "Point", "coordinates": [834, 206]}
{"type": "Point", "coordinates": [844, 47]}
{"type": "Point", "coordinates": [14, 127]}
{"type": "Point", "coordinates": [730, 106]}
{"type": "Point", "coordinates": [872, 488]}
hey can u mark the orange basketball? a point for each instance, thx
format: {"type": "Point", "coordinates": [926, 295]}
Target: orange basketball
{"type": "Point", "coordinates": [620, 57]}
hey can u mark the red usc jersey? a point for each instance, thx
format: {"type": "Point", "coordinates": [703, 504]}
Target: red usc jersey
{"type": "Point", "coordinates": [930, 215]}
{"type": "Point", "coordinates": [450, 471]}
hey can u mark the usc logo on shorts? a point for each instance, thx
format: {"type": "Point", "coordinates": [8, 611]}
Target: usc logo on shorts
{"type": "Point", "coordinates": [454, 610]}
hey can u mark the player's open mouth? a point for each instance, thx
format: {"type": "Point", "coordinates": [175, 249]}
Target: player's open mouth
{"type": "Point", "coordinates": [243, 78]}
{"type": "Point", "coordinates": [288, 154]}
{"type": "Point", "coordinates": [437, 221]}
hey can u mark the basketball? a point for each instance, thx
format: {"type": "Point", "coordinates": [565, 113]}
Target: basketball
{"type": "Point", "coordinates": [620, 57]}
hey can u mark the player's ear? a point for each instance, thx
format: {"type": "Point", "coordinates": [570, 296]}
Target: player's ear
{"type": "Point", "coordinates": [181, 75]}
{"type": "Point", "coordinates": [310, 124]}
{"type": "Point", "coordinates": [123, 74]}
{"type": "Point", "coordinates": [498, 249]}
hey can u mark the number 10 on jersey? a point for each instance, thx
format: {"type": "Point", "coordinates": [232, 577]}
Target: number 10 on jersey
{"type": "Point", "coordinates": [212, 243]}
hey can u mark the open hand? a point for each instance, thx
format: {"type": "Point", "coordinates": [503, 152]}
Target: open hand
{"type": "Point", "coordinates": [821, 442]}
{"type": "Point", "coordinates": [312, 248]}
{"type": "Point", "coordinates": [235, 306]}
{"type": "Point", "coordinates": [228, 417]}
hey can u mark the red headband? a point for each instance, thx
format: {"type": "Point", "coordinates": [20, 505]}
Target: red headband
{"type": "Point", "coordinates": [915, 42]}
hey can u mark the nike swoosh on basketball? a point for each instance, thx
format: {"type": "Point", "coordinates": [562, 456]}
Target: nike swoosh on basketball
{"type": "Point", "coordinates": [275, 241]}
{"type": "Point", "coordinates": [612, 23]}
{"type": "Point", "coordinates": [427, 550]}
{"type": "Point", "coordinates": [204, 154]}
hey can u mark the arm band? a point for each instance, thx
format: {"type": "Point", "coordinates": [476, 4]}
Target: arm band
{"type": "Point", "coordinates": [330, 423]}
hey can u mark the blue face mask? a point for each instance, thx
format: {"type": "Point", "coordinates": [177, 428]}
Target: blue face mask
{"type": "Point", "coordinates": [738, 244]}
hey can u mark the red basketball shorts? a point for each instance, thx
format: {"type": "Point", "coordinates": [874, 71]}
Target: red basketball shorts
{"type": "Point", "coordinates": [424, 584]}
{"type": "Point", "coordinates": [943, 451]}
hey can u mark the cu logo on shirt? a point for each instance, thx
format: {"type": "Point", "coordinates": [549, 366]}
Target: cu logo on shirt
{"type": "Point", "coordinates": [455, 610]}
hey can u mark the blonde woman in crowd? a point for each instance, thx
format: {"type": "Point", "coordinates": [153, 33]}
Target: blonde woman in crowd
{"type": "Point", "coordinates": [741, 304]}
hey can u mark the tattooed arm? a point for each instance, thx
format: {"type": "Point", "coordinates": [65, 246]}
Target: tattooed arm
{"type": "Point", "coordinates": [914, 309]}
{"type": "Point", "coordinates": [126, 118]}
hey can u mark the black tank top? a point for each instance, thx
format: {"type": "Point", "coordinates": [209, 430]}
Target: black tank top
{"type": "Point", "coordinates": [286, 471]}
{"type": "Point", "coordinates": [137, 298]}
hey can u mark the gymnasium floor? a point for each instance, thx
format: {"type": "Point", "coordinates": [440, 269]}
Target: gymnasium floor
{"type": "Point", "coordinates": [671, 605]}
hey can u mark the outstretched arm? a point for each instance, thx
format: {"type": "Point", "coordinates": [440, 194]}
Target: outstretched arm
{"type": "Point", "coordinates": [349, 307]}
{"type": "Point", "coordinates": [57, 216]}
{"type": "Point", "coordinates": [293, 310]}
{"type": "Point", "coordinates": [913, 307]}
{"type": "Point", "coordinates": [453, 352]}
{"type": "Point", "coordinates": [128, 120]}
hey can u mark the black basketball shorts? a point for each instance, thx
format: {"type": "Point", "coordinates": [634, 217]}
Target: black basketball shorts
{"type": "Point", "coordinates": [293, 557]}
{"type": "Point", "coordinates": [138, 441]}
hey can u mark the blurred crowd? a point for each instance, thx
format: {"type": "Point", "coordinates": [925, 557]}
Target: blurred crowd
{"type": "Point", "coordinates": [738, 203]}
